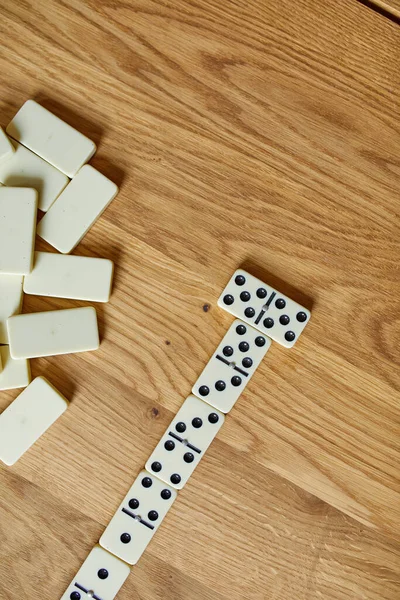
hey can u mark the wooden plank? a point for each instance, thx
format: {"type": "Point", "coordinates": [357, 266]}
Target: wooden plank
{"type": "Point", "coordinates": [217, 542]}
{"type": "Point", "coordinates": [257, 134]}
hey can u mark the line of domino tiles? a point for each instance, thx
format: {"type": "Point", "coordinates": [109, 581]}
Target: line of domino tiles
{"type": "Point", "coordinates": [37, 161]}
{"type": "Point", "coordinates": [262, 314]}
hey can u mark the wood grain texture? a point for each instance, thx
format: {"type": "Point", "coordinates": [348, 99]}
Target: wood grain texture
{"type": "Point", "coordinates": [254, 134]}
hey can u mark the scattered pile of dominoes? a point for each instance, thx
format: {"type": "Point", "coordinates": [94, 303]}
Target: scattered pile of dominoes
{"type": "Point", "coordinates": [35, 170]}
{"type": "Point", "coordinates": [43, 166]}
{"type": "Point", "coordinates": [262, 314]}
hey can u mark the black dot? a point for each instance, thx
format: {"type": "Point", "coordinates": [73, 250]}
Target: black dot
{"type": "Point", "coordinates": [284, 320]}
{"type": "Point", "coordinates": [241, 329]}
{"type": "Point", "coordinates": [153, 515]}
{"type": "Point", "coordinates": [75, 596]}
{"type": "Point", "coordinates": [175, 478]}
{"type": "Point", "coordinates": [133, 503]}
{"type": "Point", "coordinates": [220, 385]}
{"type": "Point", "coordinates": [197, 422]}
{"type": "Point", "coordinates": [169, 445]}
{"type": "Point", "coordinates": [180, 427]}
{"type": "Point", "coordinates": [240, 279]}
{"type": "Point", "coordinates": [213, 418]}
{"type": "Point", "coordinates": [249, 312]}
{"type": "Point", "coordinates": [188, 457]}
{"type": "Point", "coordinates": [247, 362]}
{"type": "Point", "coordinates": [268, 322]}
{"type": "Point", "coordinates": [280, 303]}
{"type": "Point", "coordinates": [244, 347]}
{"type": "Point", "coordinates": [125, 538]}
{"type": "Point", "coordinates": [166, 494]}
{"type": "Point", "coordinates": [301, 316]}
{"type": "Point", "coordinates": [261, 293]}
{"type": "Point", "coordinates": [229, 299]}
{"type": "Point", "coordinates": [289, 336]}
{"type": "Point", "coordinates": [204, 390]}
{"type": "Point", "coordinates": [147, 482]}
{"type": "Point", "coordinates": [245, 296]}
{"type": "Point", "coordinates": [236, 380]}
{"type": "Point", "coordinates": [259, 341]}
{"type": "Point", "coordinates": [227, 351]}
{"type": "Point", "coordinates": [102, 574]}
{"type": "Point", "coordinates": [156, 467]}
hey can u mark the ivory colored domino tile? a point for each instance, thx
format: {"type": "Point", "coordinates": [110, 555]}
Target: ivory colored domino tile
{"type": "Point", "coordinates": [6, 147]}
{"type": "Point", "coordinates": [18, 207]}
{"type": "Point", "coordinates": [26, 169]}
{"type": "Point", "coordinates": [53, 332]}
{"type": "Point", "coordinates": [10, 301]}
{"type": "Point", "coordinates": [51, 138]}
{"type": "Point", "coordinates": [78, 207]}
{"type": "Point", "coordinates": [16, 373]}
{"type": "Point", "coordinates": [63, 276]}
{"type": "Point", "coordinates": [100, 577]}
{"type": "Point", "coordinates": [28, 417]}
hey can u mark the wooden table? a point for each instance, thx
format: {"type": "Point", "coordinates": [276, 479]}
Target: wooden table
{"type": "Point", "coordinates": [256, 134]}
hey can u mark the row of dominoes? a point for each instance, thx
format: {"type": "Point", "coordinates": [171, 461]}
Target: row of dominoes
{"type": "Point", "coordinates": [263, 314]}
{"type": "Point", "coordinates": [36, 164]}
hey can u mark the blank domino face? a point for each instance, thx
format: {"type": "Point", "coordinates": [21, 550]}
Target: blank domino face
{"type": "Point", "coordinates": [100, 577]}
{"type": "Point", "coordinates": [18, 208]}
{"type": "Point", "coordinates": [6, 148]}
{"type": "Point", "coordinates": [28, 417]}
{"type": "Point", "coordinates": [263, 307]}
{"type": "Point", "coordinates": [10, 301]}
{"type": "Point", "coordinates": [25, 169]}
{"type": "Point", "coordinates": [231, 366]}
{"type": "Point", "coordinates": [138, 518]}
{"type": "Point", "coordinates": [51, 138]}
{"type": "Point", "coordinates": [53, 332]}
{"type": "Point", "coordinates": [74, 277]}
{"type": "Point", "coordinates": [78, 207]}
{"type": "Point", "coordinates": [184, 443]}
{"type": "Point", "coordinates": [15, 373]}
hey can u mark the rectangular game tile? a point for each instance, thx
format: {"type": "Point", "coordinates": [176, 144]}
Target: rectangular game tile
{"type": "Point", "coordinates": [75, 211]}
{"type": "Point", "coordinates": [52, 139]}
{"type": "Point", "coordinates": [53, 332]}
{"type": "Point", "coordinates": [15, 373]}
{"type": "Point", "coordinates": [138, 517]}
{"type": "Point", "coordinates": [6, 147]}
{"type": "Point", "coordinates": [10, 301]}
{"type": "Point", "coordinates": [28, 417]}
{"type": "Point", "coordinates": [18, 207]}
{"type": "Point", "coordinates": [100, 577]}
{"type": "Point", "coordinates": [66, 276]}
{"type": "Point", "coordinates": [25, 169]}
{"type": "Point", "coordinates": [260, 305]}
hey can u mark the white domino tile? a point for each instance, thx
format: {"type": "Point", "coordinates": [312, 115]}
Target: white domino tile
{"type": "Point", "coordinates": [28, 417]}
{"type": "Point", "coordinates": [100, 577]}
{"type": "Point", "coordinates": [10, 301]}
{"type": "Point", "coordinates": [260, 305]}
{"type": "Point", "coordinates": [25, 169]}
{"type": "Point", "coordinates": [231, 366]}
{"type": "Point", "coordinates": [77, 208]}
{"type": "Point", "coordinates": [15, 373]}
{"type": "Point", "coordinates": [53, 332]}
{"type": "Point", "coordinates": [18, 208]}
{"type": "Point", "coordinates": [138, 517]}
{"type": "Point", "coordinates": [67, 276]}
{"type": "Point", "coordinates": [51, 138]}
{"type": "Point", "coordinates": [6, 147]}
{"type": "Point", "coordinates": [185, 442]}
